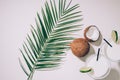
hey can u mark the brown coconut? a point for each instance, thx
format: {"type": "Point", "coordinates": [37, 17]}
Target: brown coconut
{"type": "Point", "coordinates": [80, 47]}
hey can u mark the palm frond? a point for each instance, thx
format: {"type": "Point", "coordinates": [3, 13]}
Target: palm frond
{"type": "Point", "coordinates": [45, 47]}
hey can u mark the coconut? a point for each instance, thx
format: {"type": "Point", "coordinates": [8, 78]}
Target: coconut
{"type": "Point", "coordinates": [80, 47]}
{"type": "Point", "coordinates": [91, 33]}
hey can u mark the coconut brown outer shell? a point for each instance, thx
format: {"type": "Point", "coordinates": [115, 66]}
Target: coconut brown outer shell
{"type": "Point", "coordinates": [80, 47]}
{"type": "Point", "coordinates": [85, 31]}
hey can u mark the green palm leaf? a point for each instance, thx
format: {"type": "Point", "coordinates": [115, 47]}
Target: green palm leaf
{"type": "Point", "coordinates": [45, 47]}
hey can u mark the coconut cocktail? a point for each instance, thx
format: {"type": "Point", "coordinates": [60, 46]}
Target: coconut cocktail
{"type": "Point", "coordinates": [100, 68]}
{"type": "Point", "coordinates": [113, 53]}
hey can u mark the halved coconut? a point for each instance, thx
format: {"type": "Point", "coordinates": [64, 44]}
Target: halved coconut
{"type": "Point", "coordinates": [80, 47]}
{"type": "Point", "coordinates": [91, 33]}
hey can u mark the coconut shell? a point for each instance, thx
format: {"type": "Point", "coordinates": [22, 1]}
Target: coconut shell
{"type": "Point", "coordinates": [80, 47]}
{"type": "Point", "coordinates": [85, 31]}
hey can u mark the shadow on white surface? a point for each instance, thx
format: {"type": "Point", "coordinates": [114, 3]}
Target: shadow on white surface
{"type": "Point", "coordinates": [91, 52]}
{"type": "Point", "coordinates": [119, 65]}
{"type": "Point", "coordinates": [99, 41]}
{"type": "Point", "coordinates": [114, 75]}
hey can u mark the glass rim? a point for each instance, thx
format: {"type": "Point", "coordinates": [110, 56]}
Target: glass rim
{"type": "Point", "coordinates": [106, 74]}
{"type": "Point", "coordinates": [104, 50]}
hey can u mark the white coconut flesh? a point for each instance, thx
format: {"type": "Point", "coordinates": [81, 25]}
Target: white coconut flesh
{"type": "Point", "coordinates": [92, 33]}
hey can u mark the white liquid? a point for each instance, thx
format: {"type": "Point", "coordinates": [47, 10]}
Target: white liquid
{"type": "Point", "coordinates": [100, 68]}
{"type": "Point", "coordinates": [113, 52]}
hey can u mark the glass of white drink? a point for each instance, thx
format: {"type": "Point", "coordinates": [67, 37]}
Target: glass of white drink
{"type": "Point", "coordinates": [100, 68]}
{"type": "Point", "coordinates": [112, 53]}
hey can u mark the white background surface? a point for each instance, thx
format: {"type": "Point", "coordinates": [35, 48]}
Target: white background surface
{"type": "Point", "coordinates": [15, 19]}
